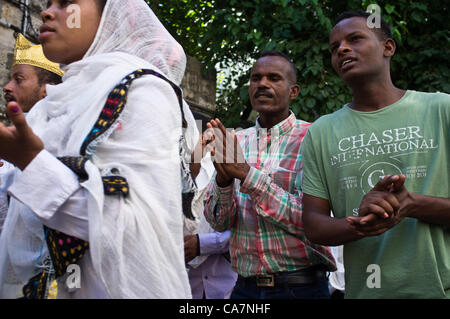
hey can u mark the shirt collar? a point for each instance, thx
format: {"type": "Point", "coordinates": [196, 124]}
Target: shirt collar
{"type": "Point", "coordinates": [281, 128]}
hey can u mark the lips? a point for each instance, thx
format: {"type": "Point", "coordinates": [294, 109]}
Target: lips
{"type": "Point", "coordinates": [46, 28]}
{"type": "Point", "coordinates": [9, 98]}
{"type": "Point", "coordinates": [346, 62]}
{"type": "Point", "coordinates": [45, 31]}
{"type": "Point", "coordinates": [263, 94]}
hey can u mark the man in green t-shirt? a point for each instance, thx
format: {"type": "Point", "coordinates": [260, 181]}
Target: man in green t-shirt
{"type": "Point", "coordinates": [382, 165]}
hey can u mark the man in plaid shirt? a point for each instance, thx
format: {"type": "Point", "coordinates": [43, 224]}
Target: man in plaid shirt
{"type": "Point", "coordinates": [257, 194]}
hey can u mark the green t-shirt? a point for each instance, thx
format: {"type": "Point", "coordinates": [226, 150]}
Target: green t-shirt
{"type": "Point", "coordinates": [344, 156]}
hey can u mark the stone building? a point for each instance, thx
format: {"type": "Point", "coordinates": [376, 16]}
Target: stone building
{"type": "Point", "coordinates": [24, 16]}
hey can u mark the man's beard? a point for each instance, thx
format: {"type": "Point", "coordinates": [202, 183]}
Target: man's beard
{"type": "Point", "coordinates": [27, 102]}
{"type": "Point", "coordinates": [9, 98]}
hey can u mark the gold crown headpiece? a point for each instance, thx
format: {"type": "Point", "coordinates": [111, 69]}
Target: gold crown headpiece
{"type": "Point", "coordinates": [26, 53]}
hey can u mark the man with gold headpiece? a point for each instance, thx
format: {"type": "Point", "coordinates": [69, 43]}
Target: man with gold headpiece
{"type": "Point", "coordinates": [30, 74]}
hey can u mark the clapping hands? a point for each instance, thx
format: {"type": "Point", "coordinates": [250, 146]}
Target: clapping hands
{"type": "Point", "coordinates": [227, 154]}
{"type": "Point", "coordinates": [382, 208]}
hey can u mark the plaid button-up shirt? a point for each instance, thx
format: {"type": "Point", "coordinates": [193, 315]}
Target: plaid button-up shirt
{"type": "Point", "coordinates": [264, 214]}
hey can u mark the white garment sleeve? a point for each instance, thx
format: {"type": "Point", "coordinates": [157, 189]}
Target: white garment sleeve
{"type": "Point", "coordinates": [52, 191]}
{"type": "Point", "coordinates": [3, 210]}
{"type": "Point", "coordinates": [6, 179]}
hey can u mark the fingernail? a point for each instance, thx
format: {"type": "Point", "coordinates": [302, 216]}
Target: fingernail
{"type": "Point", "coordinates": [15, 109]}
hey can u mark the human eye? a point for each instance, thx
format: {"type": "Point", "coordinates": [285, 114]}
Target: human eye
{"type": "Point", "coordinates": [18, 79]}
{"type": "Point", "coordinates": [275, 77]}
{"type": "Point", "coordinates": [333, 48]}
{"type": "Point", "coordinates": [64, 3]}
{"type": "Point", "coordinates": [254, 78]}
{"type": "Point", "coordinates": [356, 37]}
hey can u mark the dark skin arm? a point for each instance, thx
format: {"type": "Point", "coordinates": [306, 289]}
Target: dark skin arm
{"type": "Point", "coordinates": [195, 163]}
{"type": "Point", "coordinates": [200, 152]}
{"type": "Point", "coordinates": [428, 209]}
{"type": "Point", "coordinates": [215, 140]}
{"type": "Point", "coordinates": [323, 229]}
{"type": "Point", "coordinates": [191, 247]}
{"type": "Point", "coordinates": [386, 205]}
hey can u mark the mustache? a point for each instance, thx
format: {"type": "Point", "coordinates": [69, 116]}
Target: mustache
{"type": "Point", "coordinates": [9, 98]}
{"type": "Point", "coordinates": [262, 92]}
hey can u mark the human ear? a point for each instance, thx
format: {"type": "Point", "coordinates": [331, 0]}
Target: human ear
{"type": "Point", "coordinates": [42, 92]}
{"type": "Point", "coordinates": [294, 91]}
{"type": "Point", "coordinates": [389, 47]}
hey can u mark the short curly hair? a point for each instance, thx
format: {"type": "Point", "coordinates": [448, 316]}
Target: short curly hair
{"type": "Point", "coordinates": [284, 56]}
{"type": "Point", "coordinates": [384, 32]}
{"type": "Point", "coordinates": [47, 77]}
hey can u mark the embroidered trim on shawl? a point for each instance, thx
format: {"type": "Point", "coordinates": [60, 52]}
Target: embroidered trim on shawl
{"type": "Point", "coordinates": [76, 164]}
{"type": "Point", "coordinates": [64, 250]}
{"type": "Point", "coordinates": [115, 185]}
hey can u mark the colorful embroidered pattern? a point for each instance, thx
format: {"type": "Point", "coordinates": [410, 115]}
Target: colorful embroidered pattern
{"type": "Point", "coordinates": [76, 164]}
{"type": "Point", "coordinates": [114, 106]}
{"type": "Point", "coordinates": [36, 287]}
{"type": "Point", "coordinates": [115, 185]}
{"type": "Point", "coordinates": [64, 250]}
{"type": "Point", "coordinates": [115, 103]}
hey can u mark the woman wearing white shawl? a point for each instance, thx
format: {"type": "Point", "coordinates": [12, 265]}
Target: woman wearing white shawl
{"type": "Point", "coordinates": [135, 242]}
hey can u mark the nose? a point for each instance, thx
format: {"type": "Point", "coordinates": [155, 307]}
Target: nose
{"type": "Point", "coordinates": [343, 48]}
{"type": "Point", "coordinates": [7, 88]}
{"type": "Point", "coordinates": [263, 82]}
{"type": "Point", "coordinates": [47, 14]}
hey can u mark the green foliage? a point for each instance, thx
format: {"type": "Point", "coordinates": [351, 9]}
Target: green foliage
{"type": "Point", "coordinates": [187, 21]}
{"type": "Point", "coordinates": [232, 33]}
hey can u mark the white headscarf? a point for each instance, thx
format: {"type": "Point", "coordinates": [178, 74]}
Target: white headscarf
{"type": "Point", "coordinates": [137, 252]}
{"type": "Point", "coordinates": [129, 26]}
